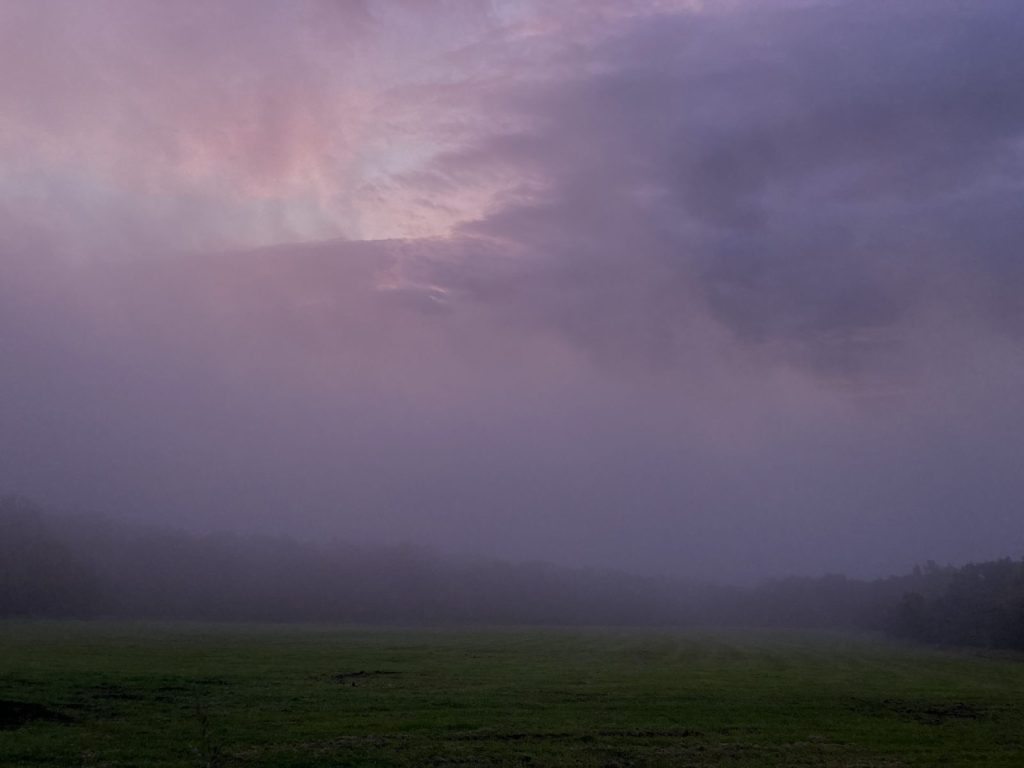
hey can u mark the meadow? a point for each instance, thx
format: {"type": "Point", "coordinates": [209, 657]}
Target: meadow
{"type": "Point", "coordinates": [190, 695]}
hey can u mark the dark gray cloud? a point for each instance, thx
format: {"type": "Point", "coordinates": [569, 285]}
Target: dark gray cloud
{"type": "Point", "coordinates": [811, 175]}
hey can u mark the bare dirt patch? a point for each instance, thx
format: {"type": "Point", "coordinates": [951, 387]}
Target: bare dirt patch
{"type": "Point", "coordinates": [15, 714]}
{"type": "Point", "coordinates": [354, 678]}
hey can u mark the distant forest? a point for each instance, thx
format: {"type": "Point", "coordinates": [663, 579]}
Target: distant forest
{"type": "Point", "coordinates": [87, 566]}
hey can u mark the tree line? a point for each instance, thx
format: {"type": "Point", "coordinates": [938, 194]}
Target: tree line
{"type": "Point", "coordinates": [89, 566]}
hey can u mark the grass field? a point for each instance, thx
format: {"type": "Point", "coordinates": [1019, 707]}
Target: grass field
{"type": "Point", "coordinates": [80, 694]}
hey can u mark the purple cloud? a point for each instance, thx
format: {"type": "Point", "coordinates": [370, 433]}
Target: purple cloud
{"type": "Point", "coordinates": [735, 291]}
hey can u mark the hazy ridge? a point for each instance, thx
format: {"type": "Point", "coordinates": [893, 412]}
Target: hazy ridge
{"type": "Point", "coordinates": [88, 566]}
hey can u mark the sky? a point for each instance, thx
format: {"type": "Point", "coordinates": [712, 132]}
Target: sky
{"type": "Point", "coordinates": [716, 289]}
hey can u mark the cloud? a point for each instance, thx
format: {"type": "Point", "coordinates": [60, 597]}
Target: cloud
{"type": "Point", "coordinates": [811, 177]}
{"type": "Point", "coordinates": [234, 123]}
{"type": "Point", "coordinates": [740, 295]}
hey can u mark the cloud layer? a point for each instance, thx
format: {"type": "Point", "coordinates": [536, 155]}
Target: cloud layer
{"type": "Point", "coordinates": [723, 290]}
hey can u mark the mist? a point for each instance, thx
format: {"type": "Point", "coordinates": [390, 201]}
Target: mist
{"type": "Point", "coordinates": [704, 292]}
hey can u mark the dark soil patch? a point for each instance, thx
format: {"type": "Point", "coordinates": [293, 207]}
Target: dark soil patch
{"type": "Point", "coordinates": [15, 714]}
{"type": "Point", "coordinates": [930, 713]}
{"type": "Point", "coordinates": [352, 678]}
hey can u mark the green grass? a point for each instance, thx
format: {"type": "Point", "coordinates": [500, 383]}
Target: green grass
{"type": "Point", "coordinates": [194, 695]}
